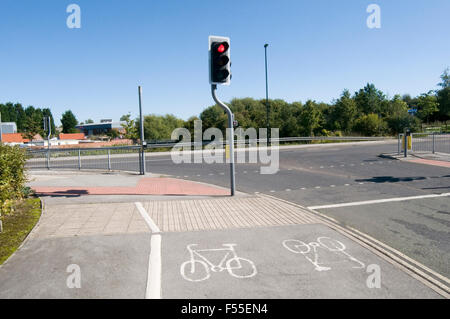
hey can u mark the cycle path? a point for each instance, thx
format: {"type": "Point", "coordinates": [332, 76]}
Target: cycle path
{"type": "Point", "coordinates": [260, 247]}
{"type": "Point", "coordinates": [270, 270]}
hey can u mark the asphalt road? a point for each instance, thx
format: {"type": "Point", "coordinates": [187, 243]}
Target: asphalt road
{"type": "Point", "coordinates": [337, 174]}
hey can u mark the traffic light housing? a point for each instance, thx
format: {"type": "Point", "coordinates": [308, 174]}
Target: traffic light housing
{"type": "Point", "coordinates": [219, 60]}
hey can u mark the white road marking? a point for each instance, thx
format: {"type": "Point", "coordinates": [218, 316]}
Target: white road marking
{"type": "Point", "coordinates": [272, 191]}
{"type": "Point", "coordinates": [153, 290]}
{"type": "Point", "coordinates": [347, 185]}
{"type": "Point", "coordinates": [332, 185]}
{"type": "Point", "coordinates": [378, 201]}
{"type": "Point", "coordinates": [288, 189]}
{"type": "Point", "coordinates": [317, 187]}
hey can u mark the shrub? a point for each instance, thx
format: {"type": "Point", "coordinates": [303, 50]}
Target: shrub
{"type": "Point", "coordinates": [12, 176]}
{"type": "Point", "coordinates": [370, 125]}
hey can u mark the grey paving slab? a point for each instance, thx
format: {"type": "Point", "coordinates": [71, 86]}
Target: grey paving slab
{"type": "Point", "coordinates": [111, 267]}
{"type": "Point", "coordinates": [270, 270]}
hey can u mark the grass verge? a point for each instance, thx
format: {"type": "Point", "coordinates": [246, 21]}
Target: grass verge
{"type": "Point", "coordinates": [17, 226]}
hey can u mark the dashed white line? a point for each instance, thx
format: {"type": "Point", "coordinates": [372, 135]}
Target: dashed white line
{"type": "Point", "coordinates": [378, 201]}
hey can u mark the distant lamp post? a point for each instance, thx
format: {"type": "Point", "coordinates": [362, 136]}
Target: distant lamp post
{"type": "Point", "coordinates": [267, 97]}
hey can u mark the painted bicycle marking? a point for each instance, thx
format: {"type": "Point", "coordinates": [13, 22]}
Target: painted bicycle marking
{"type": "Point", "coordinates": [331, 245]}
{"type": "Point", "coordinates": [198, 267]}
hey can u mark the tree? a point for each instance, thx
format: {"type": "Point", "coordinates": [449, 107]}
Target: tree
{"type": "Point", "coordinates": [368, 99]}
{"type": "Point", "coordinates": [34, 122]}
{"type": "Point", "coordinates": [310, 118]}
{"type": "Point", "coordinates": [157, 127]}
{"type": "Point", "coordinates": [427, 105]}
{"type": "Point", "coordinates": [443, 97]}
{"type": "Point", "coordinates": [68, 121]}
{"type": "Point", "coordinates": [398, 118]}
{"type": "Point", "coordinates": [370, 125]}
{"type": "Point", "coordinates": [445, 77]}
{"type": "Point", "coordinates": [131, 127]}
{"type": "Point", "coordinates": [344, 112]}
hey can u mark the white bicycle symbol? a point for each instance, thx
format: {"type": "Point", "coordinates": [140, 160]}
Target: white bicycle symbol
{"type": "Point", "coordinates": [198, 267]}
{"type": "Point", "coordinates": [332, 245]}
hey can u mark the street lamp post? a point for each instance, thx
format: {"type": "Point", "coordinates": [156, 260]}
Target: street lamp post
{"type": "Point", "coordinates": [267, 97]}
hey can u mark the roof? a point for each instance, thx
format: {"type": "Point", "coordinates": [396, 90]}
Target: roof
{"type": "Point", "coordinates": [101, 125]}
{"type": "Point", "coordinates": [72, 136]}
{"type": "Point", "coordinates": [13, 138]}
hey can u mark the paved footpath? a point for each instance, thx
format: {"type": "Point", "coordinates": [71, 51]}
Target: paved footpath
{"type": "Point", "coordinates": [198, 246]}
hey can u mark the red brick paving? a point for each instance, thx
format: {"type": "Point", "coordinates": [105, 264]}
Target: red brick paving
{"type": "Point", "coordinates": [146, 186]}
{"type": "Point", "coordinates": [430, 162]}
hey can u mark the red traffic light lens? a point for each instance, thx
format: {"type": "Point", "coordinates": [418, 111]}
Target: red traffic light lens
{"type": "Point", "coordinates": [222, 47]}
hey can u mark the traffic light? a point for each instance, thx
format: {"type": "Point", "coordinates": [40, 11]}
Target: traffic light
{"type": "Point", "coordinates": [219, 60]}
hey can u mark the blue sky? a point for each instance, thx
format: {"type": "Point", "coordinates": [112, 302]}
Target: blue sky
{"type": "Point", "coordinates": [317, 48]}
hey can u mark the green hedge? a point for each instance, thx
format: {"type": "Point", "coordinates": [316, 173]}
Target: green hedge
{"type": "Point", "coordinates": [12, 176]}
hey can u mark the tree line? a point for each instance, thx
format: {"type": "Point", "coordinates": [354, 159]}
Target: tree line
{"type": "Point", "coordinates": [29, 120]}
{"type": "Point", "coordinates": [368, 112]}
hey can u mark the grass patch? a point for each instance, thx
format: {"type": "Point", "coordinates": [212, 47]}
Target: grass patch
{"type": "Point", "coordinates": [17, 225]}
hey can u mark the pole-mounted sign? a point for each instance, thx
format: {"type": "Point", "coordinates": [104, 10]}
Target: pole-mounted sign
{"type": "Point", "coordinates": [220, 73]}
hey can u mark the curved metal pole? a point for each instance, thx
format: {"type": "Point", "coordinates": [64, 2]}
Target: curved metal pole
{"type": "Point", "coordinates": [230, 137]}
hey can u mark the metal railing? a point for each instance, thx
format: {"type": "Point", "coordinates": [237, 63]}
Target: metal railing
{"type": "Point", "coordinates": [431, 142]}
{"type": "Point", "coordinates": [127, 158]}
{"type": "Point", "coordinates": [426, 143]}
{"type": "Point", "coordinates": [107, 158]}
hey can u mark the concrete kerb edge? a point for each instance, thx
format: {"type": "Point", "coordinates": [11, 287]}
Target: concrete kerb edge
{"type": "Point", "coordinates": [391, 257]}
{"type": "Point", "coordinates": [28, 236]}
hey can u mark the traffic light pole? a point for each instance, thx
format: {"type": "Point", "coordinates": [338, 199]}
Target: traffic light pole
{"type": "Point", "coordinates": [230, 137]}
{"type": "Point", "coordinates": [141, 126]}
